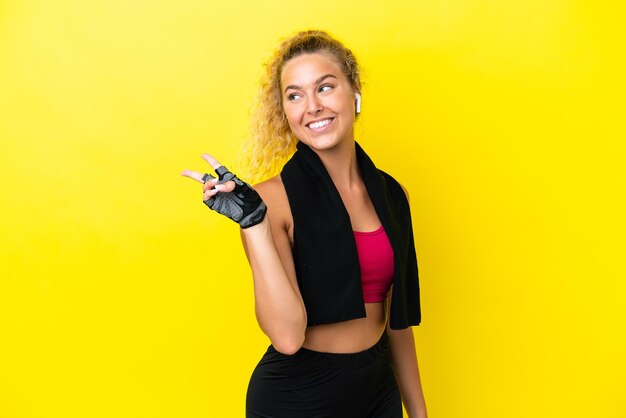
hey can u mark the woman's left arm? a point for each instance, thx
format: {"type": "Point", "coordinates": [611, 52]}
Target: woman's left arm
{"type": "Point", "coordinates": [404, 362]}
{"type": "Point", "coordinates": [406, 370]}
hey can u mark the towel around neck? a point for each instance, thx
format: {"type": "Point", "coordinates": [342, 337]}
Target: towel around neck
{"type": "Point", "coordinates": [324, 250]}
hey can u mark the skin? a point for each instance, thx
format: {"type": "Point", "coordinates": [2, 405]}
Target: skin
{"type": "Point", "coordinates": [311, 100]}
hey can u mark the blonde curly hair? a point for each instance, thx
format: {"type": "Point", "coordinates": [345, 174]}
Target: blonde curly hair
{"type": "Point", "coordinates": [270, 141]}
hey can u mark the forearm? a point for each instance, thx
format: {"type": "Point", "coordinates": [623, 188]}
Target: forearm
{"type": "Point", "coordinates": [279, 308]}
{"type": "Point", "coordinates": [404, 362]}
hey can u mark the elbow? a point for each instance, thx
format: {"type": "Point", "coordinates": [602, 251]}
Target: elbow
{"type": "Point", "coordinates": [286, 338]}
{"type": "Point", "coordinates": [288, 350]}
{"type": "Point", "coordinates": [289, 342]}
{"type": "Point", "coordinates": [288, 346]}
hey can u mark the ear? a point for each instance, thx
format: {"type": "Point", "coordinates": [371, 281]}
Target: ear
{"type": "Point", "coordinates": [358, 102]}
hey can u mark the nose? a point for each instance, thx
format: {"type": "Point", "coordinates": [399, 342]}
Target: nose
{"type": "Point", "coordinates": [314, 106]}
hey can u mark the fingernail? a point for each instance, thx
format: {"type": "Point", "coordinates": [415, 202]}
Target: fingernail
{"type": "Point", "coordinates": [214, 180]}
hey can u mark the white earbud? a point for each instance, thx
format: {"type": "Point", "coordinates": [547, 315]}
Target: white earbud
{"type": "Point", "coordinates": [358, 103]}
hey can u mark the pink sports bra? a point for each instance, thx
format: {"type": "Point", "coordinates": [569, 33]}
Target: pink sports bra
{"type": "Point", "coordinates": [376, 261]}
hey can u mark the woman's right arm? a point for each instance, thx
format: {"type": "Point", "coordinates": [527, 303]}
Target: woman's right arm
{"type": "Point", "coordinates": [279, 306]}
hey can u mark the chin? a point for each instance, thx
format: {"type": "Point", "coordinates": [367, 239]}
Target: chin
{"type": "Point", "coordinates": [329, 141]}
{"type": "Point", "coordinates": [321, 143]}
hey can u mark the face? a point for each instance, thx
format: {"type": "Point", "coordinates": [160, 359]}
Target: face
{"type": "Point", "coordinates": [318, 101]}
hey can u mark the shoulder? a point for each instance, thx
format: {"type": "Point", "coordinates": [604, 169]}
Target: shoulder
{"type": "Point", "coordinates": [406, 192]}
{"type": "Point", "coordinates": [269, 187]}
{"type": "Point", "coordinates": [273, 193]}
{"type": "Point", "coordinates": [394, 184]}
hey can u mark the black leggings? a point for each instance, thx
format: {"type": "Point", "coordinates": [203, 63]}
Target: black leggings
{"type": "Point", "coordinates": [313, 384]}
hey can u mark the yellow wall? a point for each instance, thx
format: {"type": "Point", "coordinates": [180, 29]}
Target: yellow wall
{"type": "Point", "coordinates": [122, 295]}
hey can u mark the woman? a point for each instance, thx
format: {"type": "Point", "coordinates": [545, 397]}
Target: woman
{"type": "Point", "coordinates": [329, 216]}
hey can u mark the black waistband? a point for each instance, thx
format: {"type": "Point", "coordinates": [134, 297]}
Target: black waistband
{"type": "Point", "coordinates": [339, 360]}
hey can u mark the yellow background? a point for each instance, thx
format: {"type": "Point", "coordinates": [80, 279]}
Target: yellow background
{"type": "Point", "coordinates": [122, 295]}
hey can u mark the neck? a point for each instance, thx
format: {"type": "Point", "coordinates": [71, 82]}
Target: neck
{"type": "Point", "coordinates": [341, 164]}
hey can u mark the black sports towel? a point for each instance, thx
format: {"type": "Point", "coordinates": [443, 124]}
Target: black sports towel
{"type": "Point", "coordinates": [324, 251]}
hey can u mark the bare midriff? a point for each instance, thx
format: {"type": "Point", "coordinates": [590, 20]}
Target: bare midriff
{"type": "Point", "coordinates": [348, 336]}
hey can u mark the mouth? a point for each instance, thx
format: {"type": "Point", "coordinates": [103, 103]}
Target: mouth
{"type": "Point", "coordinates": [321, 125]}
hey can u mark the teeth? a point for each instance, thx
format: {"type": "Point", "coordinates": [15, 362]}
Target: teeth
{"type": "Point", "coordinates": [319, 124]}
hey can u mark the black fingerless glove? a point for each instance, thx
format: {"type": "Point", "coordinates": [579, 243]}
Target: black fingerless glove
{"type": "Point", "coordinates": [243, 205]}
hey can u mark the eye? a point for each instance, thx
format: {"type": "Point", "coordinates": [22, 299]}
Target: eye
{"type": "Point", "coordinates": [292, 96]}
{"type": "Point", "coordinates": [326, 86]}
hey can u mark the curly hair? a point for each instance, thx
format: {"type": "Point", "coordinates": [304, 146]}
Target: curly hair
{"type": "Point", "coordinates": [270, 141]}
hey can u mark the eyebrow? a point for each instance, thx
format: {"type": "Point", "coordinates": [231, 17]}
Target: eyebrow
{"type": "Point", "coordinates": [319, 80]}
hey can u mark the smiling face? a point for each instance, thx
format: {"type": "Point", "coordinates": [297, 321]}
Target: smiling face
{"type": "Point", "coordinates": [318, 100]}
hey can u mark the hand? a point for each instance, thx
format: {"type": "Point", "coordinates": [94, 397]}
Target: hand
{"type": "Point", "coordinates": [228, 195]}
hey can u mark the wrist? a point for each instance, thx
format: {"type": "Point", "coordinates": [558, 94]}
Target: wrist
{"type": "Point", "coordinates": [261, 227]}
{"type": "Point", "coordinates": [255, 217]}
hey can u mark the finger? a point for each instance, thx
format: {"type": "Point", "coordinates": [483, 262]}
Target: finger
{"type": "Point", "coordinates": [192, 174]}
{"type": "Point", "coordinates": [211, 160]}
{"type": "Point", "coordinates": [229, 186]}
{"type": "Point", "coordinates": [222, 171]}
{"type": "Point", "coordinates": [206, 177]}
{"type": "Point", "coordinates": [209, 193]}
{"type": "Point", "coordinates": [210, 184]}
